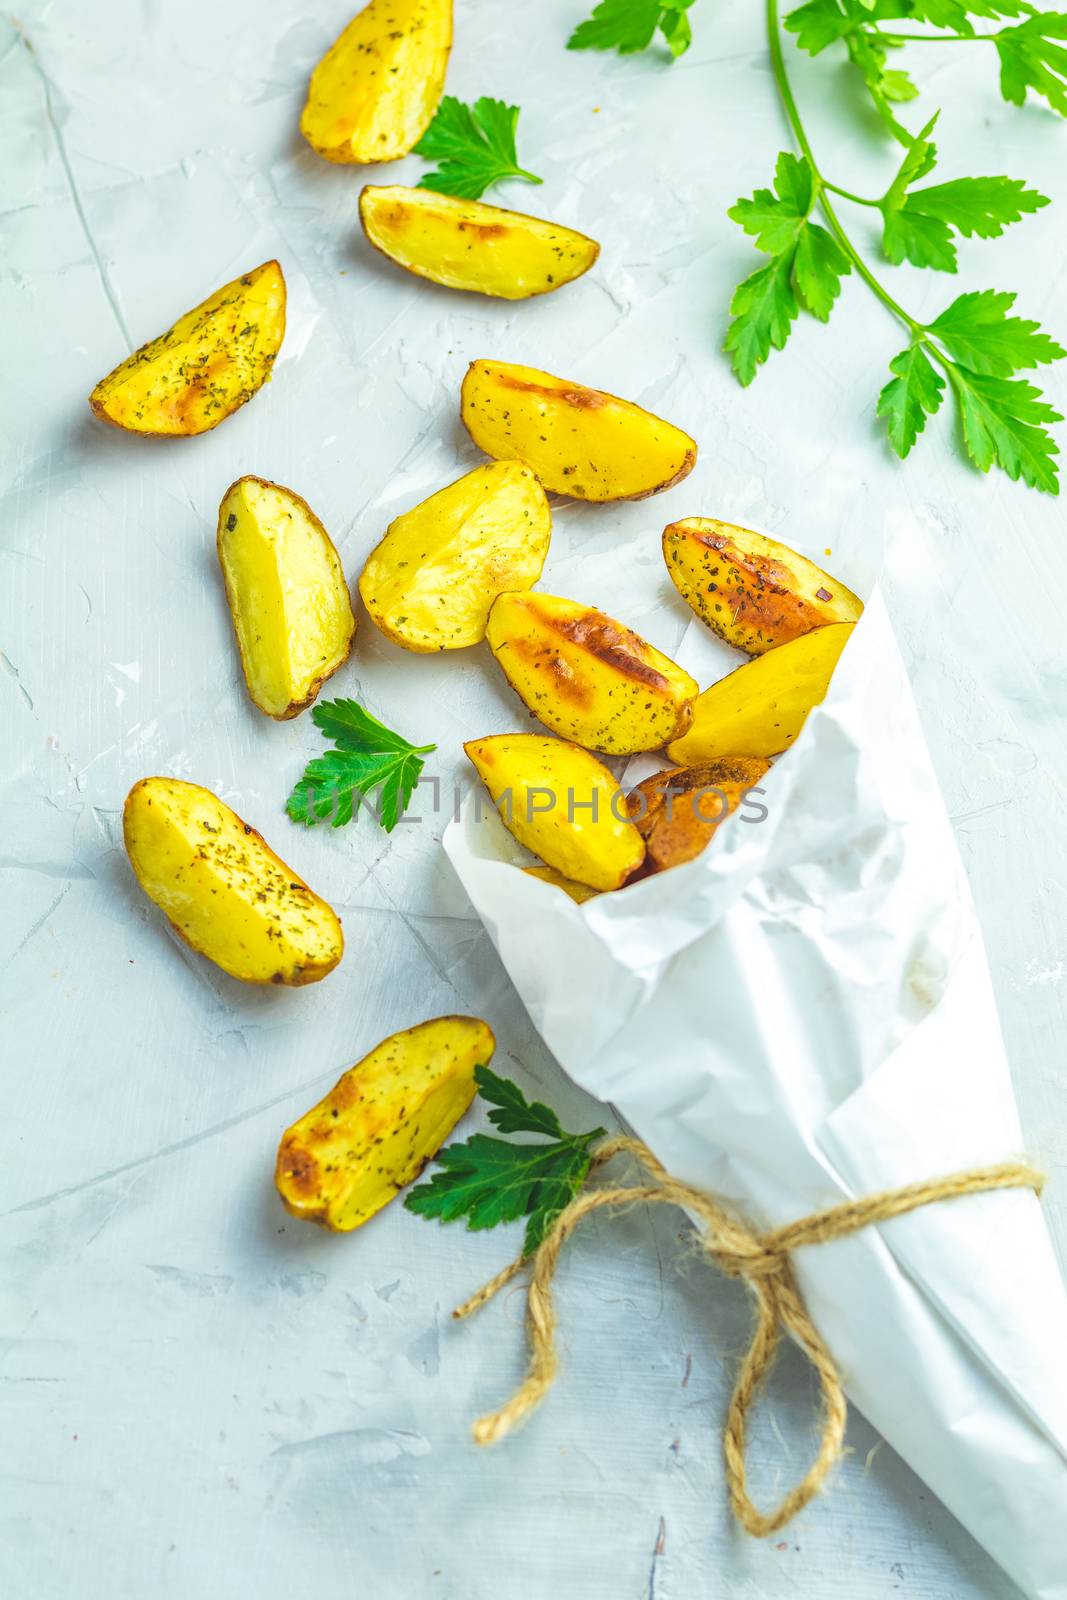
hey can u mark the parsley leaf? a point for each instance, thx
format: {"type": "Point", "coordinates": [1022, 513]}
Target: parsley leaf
{"type": "Point", "coordinates": [368, 756]}
{"type": "Point", "coordinates": [978, 332]}
{"type": "Point", "coordinates": [913, 394]}
{"type": "Point", "coordinates": [764, 308]}
{"type": "Point", "coordinates": [1030, 58]}
{"type": "Point", "coordinates": [818, 24]}
{"type": "Point", "coordinates": [475, 146]}
{"type": "Point", "coordinates": [630, 25]}
{"type": "Point", "coordinates": [490, 1181]}
{"type": "Point", "coordinates": [1001, 420]}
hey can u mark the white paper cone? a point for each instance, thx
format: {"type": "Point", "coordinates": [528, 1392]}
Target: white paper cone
{"type": "Point", "coordinates": [802, 1015]}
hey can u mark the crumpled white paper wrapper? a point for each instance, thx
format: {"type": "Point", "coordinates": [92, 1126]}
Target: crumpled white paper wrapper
{"type": "Point", "coordinates": [803, 1015]}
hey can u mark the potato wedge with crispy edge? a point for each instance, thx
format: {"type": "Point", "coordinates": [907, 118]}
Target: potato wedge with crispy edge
{"type": "Point", "coordinates": [581, 442]}
{"type": "Point", "coordinates": [374, 93]}
{"type": "Point", "coordinates": [755, 592]}
{"type": "Point", "coordinates": [286, 588]}
{"type": "Point", "coordinates": [467, 244]}
{"type": "Point", "coordinates": [586, 676]}
{"type": "Point", "coordinates": [561, 803]}
{"type": "Point", "coordinates": [761, 707]}
{"type": "Point", "coordinates": [381, 1122]}
{"type": "Point", "coordinates": [578, 892]}
{"type": "Point", "coordinates": [430, 582]}
{"type": "Point", "coordinates": [222, 887]}
{"type": "Point", "coordinates": [200, 371]}
{"type": "Point", "coordinates": [678, 811]}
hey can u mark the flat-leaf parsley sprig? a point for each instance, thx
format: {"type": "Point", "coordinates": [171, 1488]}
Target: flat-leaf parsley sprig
{"type": "Point", "coordinates": [368, 756]}
{"type": "Point", "coordinates": [490, 1181]}
{"type": "Point", "coordinates": [474, 146]}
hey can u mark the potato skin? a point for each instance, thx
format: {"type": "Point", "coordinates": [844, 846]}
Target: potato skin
{"type": "Point", "coordinates": [753, 591]}
{"type": "Point", "coordinates": [467, 244]}
{"type": "Point", "coordinates": [581, 442]}
{"type": "Point", "coordinates": [374, 93]}
{"type": "Point", "coordinates": [759, 709]}
{"type": "Point", "coordinates": [578, 892]}
{"type": "Point", "coordinates": [198, 373]}
{"type": "Point", "coordinates": [595, 844]}
{"type": "Point", "coordinates": [374, 1132]}
{"type": "Point", "coordinates": [430, 582]}
{"type": "Point", "coordinates": [286, 589]}
{"type": "Point", "coordinates": [678, 811]}
{"type": "Point", "coordinates": [223, 889]}
{"type": "Point", "coordinates": [587, 677]}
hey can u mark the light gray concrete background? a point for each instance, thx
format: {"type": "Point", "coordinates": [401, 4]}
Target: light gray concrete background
{"type": "Point", "coordinates": [198, 1393]}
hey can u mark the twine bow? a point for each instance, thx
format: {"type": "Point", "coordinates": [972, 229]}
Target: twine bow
{"type": "Point", "coordinates": [762, 1262]}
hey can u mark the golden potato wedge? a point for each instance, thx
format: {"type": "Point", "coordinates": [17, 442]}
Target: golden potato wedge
{"type": "Point", "coordinates": [287, 593]}
{"type": "Point", "coordinates": [578, 892]}
{"type": "Point", "coordinates": [200, 371]}
{"type": "Point", "coordinates": [467, 244]}
{"type": "Point", "coordinates": [430, 582]}
{"type": "Point", "coordinates": [755, 593]}
{"type": "Point", "coordinates": [561, 803]}
{"type": "Point", "coordinates": [678, 811]}
{"type": "Point", "coordinates": [586, 676]}
{"type": "Point", "coordinates": [760, 708]}
{"type": "Point", "coordinates": [379, 1125]}
{"type": "Point", "coordinates": [374, 93]}
{"type": "Point", "coordinates": [223, 888]}
{"type": "Point", "coordinates": [581, 442]}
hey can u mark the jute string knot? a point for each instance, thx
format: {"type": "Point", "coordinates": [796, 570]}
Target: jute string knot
{"type": "Point", "coordinates": [762, 1262]}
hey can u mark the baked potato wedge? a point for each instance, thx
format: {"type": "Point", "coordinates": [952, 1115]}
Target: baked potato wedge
{"type": "Point", "coordinates": [381, 1122]}
{"type": "Point", "coordinates": [200, 371]}
{"type": "Point", "coordinates": [586, 676]}
{"type": "Point", "coordinates": [561, 803]}
{"type": "Point", "coordinates": [753, 591]}
{"type": "Point", "coordinates": [223, 888]}
{"type": "Point", "coordinates": [373, 94]}
{"type": "Point", "coordinates": [578, 892]}
{"type": "Point", "coordinates": [761, 707]}
{"type": "Point", "coordinates": [678, 811]}
{"type": "Point", "coordinates": [287, 594]}
{"type": "Point", "coordinates": [467, 244]}
{"type": "Point", "coordinates": [430, 582]}
{"type": "Point", "coordinates": [581, 442]}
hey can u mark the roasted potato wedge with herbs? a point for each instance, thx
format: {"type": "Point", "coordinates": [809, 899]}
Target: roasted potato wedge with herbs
{"type": "Point", "coordinates": [430, 582]}
{"type": "Point", "coordinates": [756, 593]}
{"type": "Point", "coordinates": [222, 887]}
{"type": "Point", "coordinates": [374, 93]}
{"type": "Point", "coordinates": [561, 803]}
{"type": "Point", "coordinates": [760, 708]}
{"type": "Point", "coordinates": [581, 442]}
{"type": "Point", "coordinates": [467, 244]}
{"type": "Point", "coordinates": [287, 593]}
{"type": "Point", "coordinates": [586, 676]}
{"type": "Point", "coordinates": [678, 811]}
{"type": "Point", "coordinates": [197, 373]}
{"type": "Point", "coordinates": [578, 892]}
{"type": "Point", "coordinates": [375, 1131]}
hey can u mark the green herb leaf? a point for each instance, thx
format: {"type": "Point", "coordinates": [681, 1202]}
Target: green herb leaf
{"type": "Point", "coordinates": [1002, 425]}
{"type": "Point", "coordinates": [1030, 58]}
{"type": "Point", "coordinates": [818, 267]}
{"type": "Point", "coordinates": [910, 397]}
{"type": "Point", "coordinates": [369, 756]}
{"type": "Point", "coordinates": [630, 25]}
{"type": "Point", "coordinates": [818, 24]}
{"type": "Point", "coordinates": [978, 332]}
{"type": "Point", "coordinates": [907, 235]}
{"type": "Point", "coordinates": [775, 220]}
{"type": "Point", "coordinates": [512, 1112]}
{"type": "Point", "coordinates": [764, 308]}
{"type": "Point", "coordinates": [982, 207]}
{"type": "Point", "coordinates": [475, 146]}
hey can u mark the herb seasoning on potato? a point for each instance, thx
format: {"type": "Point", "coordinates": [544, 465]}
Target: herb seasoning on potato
{"type": "Point", "coordinates": [375, 1131]}
{"type": "Point", "coordinates": [677, 812]}
{"type": "Point", "coordinates": [223, 889]}
{"type": "Point", "coordinates": [581, 442]}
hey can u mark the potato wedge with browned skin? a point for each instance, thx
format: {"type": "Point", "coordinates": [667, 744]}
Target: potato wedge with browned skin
{"type": "Point", "coordinates": [223, 889]}
{"type": "Point", "coordinates": [379, 1125]}
{"type": "Point", "coordinates": [561, 803]}
{"type": "Point", "coordinates": [430, 582]}
{"type": "Point", "coordinates": [678, 811]}
{"type": "Point", "coordinates": [753, 591]}
{"type": "Point", "coordinates": [288, 597]}
{"type": "Point", "coordinates": [374, 93]}
{"type": "Point", "coordinates": [581, 442]}
{"type": "Point", "coordinates": [759, 709]}
{"type": "Point", "coordinates": [578, 892]}
{"type": "Point", "coordinates": [588, 677]}
{"type": "Point", "coordinates": [467, 244]}
{"type": "Point", "coordinates": [200, 371]}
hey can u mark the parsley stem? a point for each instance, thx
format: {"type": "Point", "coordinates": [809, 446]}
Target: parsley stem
{"type": "Point", "coordinates": [846, 194]}
{"type": "Point", "coordinates": [935, 38]}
